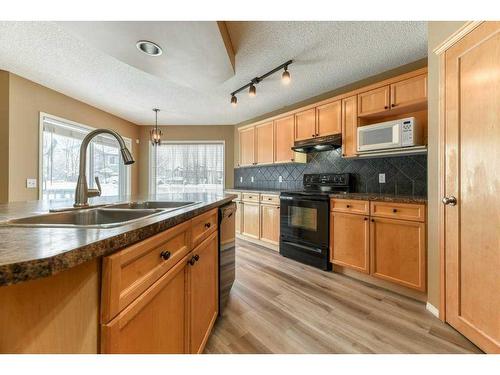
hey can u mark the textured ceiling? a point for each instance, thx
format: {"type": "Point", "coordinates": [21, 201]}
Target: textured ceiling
{"type": "Point", "coordinates": [327, 55]}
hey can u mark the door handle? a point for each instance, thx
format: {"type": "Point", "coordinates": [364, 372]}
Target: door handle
{"type": "Point", "coordinates": [449, 201]}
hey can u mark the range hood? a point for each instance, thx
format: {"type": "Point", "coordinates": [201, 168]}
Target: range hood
{"type": "Point", "coordinates": [326, 143]}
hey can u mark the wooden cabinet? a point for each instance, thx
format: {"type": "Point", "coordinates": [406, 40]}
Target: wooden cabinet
{"type": "Point", "coordinates": [398, 251]}
{"type": "Point", "coordinates": [374, 101]}
{"type": "Point", "coordinates": [251, 219]}
{"type": "Point", "coordinates": [352, 206]}
{"type": "Point", "coordinates": [305, 124]}
{"type": "Point", "coordinates": [284, 139]}
{"type": "Point", "coordinates": [350, 126]}
{"type": "Point", "coordinates": [329, 119]}
{"type": "Point", "coordinates": [350, 240]}
{"type": "Point", "coordinates": [202, 292]}
{"type": "Point", "coordinates": [238, 217]}
{"type": "Point", "coordinates": [247, 146]}
{"type": "Point", "coordinates": [409, 91]}
{"type": "Point", "coordinates": [264, 143]}
{"type": "Point", "coordinates": [270, 223]}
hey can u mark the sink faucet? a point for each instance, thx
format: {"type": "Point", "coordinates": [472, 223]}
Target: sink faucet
{"type": "Point", "coordinates": [82, 192]}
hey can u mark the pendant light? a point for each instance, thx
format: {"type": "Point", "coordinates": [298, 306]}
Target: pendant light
{"type": "Point", "coordinates": [155, 133]}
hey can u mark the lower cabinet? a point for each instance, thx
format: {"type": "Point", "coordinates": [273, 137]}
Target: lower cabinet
{"type": "Point", "coordinates": [251, 219]}
{"type": "Point", "coordinates": [238, 217]}
{"type": "Point", "coordinates": [173, 315]}
{"type": "Point", "coordinates": [270, 223]}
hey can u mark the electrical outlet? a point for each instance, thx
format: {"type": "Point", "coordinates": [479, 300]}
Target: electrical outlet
{"type": "Point", "coordinates": [31, 183]}
{"type": "Point", "coordinates": [280, 179]}
{"type": "Point", "coordinates": [251, 179]}
{"type": "Point", "coordinates": [381, 178]}
{"type": "Point", "coordinates": [241, 179]}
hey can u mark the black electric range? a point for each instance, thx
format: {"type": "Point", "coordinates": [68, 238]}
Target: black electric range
{"type": "Point", "coordinates": [304, 218]}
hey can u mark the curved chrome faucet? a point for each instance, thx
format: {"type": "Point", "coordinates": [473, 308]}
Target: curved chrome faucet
{"type": "Point", "coordinates": [82, 192]}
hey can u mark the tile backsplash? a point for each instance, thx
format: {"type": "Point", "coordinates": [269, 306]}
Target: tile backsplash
{"type": "Point", "coordinates": [404, 175]}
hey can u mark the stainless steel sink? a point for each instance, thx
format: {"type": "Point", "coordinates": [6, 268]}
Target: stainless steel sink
{"type": "Point", "coordinates": [164, 205]}
{"type": "Point", "coordinates": [86, 218]}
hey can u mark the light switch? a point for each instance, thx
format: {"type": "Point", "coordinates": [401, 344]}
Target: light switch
{"type": "Point", "coordinates": [31, 183]}
{"type": "Point", "coordinates": [381, 178]}
{"type": "Point", "coordinates": [251, 179]}
{"type": "Point", "coordinates": [241, 179]}
{"type": "Point", "coordinates": [280, 179]}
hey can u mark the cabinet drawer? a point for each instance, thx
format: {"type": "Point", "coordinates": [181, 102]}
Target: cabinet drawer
{"type": "Point", "coordinates": [203, 226]}
{"type": "Point", "coordinates": [270, 198]}
{"type": "Point", "coordinates": [129, 272]}
{"type": "Point", "coordinates": [250, 197]}
{"type": "Point", "coordinates": [350, 205]}
{"type": "Point", "coordinates": [403, 211]}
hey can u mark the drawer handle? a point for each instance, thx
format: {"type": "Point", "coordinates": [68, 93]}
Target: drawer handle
{"type": "Point", "coordinates": [165, 254]}
{"type": "Point", "coordinates": [269, 199]}
{"type": "Point", "coordinates": [207, 225]}
{"type": "Point", "coordinates": [348, 206]}
{"type": "Point", "coordinates": [366, 219]}
{"type": "Point", "coordinates": [394, 210]}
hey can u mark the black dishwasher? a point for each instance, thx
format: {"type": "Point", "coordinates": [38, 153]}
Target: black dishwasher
{"type": "Point", "coordinates": [227, 249]}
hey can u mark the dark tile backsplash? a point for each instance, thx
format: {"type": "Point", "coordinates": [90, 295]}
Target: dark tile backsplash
{"type": "Point", "coordinates": [404, 175]}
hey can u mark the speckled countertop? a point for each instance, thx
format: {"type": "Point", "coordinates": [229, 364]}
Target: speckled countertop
{"type": "Point", "coordinates": [29, 252]}
{"type": "Point", "coordinates": [381, 197]}
{"type": "Point", "coordinates": [265, 191]}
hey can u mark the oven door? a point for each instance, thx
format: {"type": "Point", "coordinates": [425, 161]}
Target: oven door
{"type": "Point", "coordinates": [304, 220]}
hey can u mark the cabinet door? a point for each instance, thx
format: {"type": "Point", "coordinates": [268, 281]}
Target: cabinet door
{"type": "Point", "coordinates": [155, 322]}
{"type": "Point", "coordinates": [305, 124]}
{"type": "Point", "coordinates": [203, 293]}
{"type": "Point", "coordinates": [247, 146]}
{"type": "Point", "coordinates": [373, 101]}
{"type": "Point", "coordinates": [264, 143]}
{"type": "Point", "coordinates": [398, 251]}
{"type": "Point", "coordinates": [270, 223]}
{"type": "Point", "coordinates": [350, 241]}
{"type": "Point", "coordinates": [238, 217]}
{"type": "Point", "coordinates": [329, 118]}
{"type": "Point", "coordinates": [409, 92]}
{"type": "Point", "coordinates": [251, 220]}
{"type": "Point", "coordinates": [284, 139]}
{"type": "Point", "coordinates": [349, 126]}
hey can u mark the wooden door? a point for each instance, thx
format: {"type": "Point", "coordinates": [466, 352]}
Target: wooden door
{"type": "Point", "coordinates": [373, 101]}
{"type": "Point", "coordinates": [247, 146]}
{"type": "Point", "coordinates": [329, 117]}
{"type": "Point", "coordinates": [155, 322]}
{"type": "Point", "coordinates": [472, 165]}
{"type": "Point", "coordinates": [409, 92]}
{"type": "Point", "coordinates": [251, 216]}
{"type": "Point", "coordinates": [350, 241]}
{"type": "Point", "coordinates": [270, 223]}
{"type": "Point", "coordinates": [264, 144]}
{"type": "Point", "coordinates": [305, 124]}
{"type": "Point", "coordinates": [284, 139]}
{"type": "Point", "coordinates": [238, 217]}
{"type": "Point", "coordinates": [350, 126]}
{"type": "Point", "coordinates": [397, 251]}
{"type": "Point", "coordinates": [203, 293]}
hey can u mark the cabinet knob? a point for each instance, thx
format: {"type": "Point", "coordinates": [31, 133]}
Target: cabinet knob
{"type": "Point", "coordinates": [394, 210]}
{"type": "Point", "coordinates": [191, 261]}
{"type": "Point", "coordinates": [450, 201]}
{"type": "Point", "coordinates": [386, 107]}
{"type": "Point", "coordinates": [366, 219]}
{"type": "Point", "coordinates": [348, 205]}
{"type": "Point", "coordinates": [373, 220]}
{"type": "Point", "coordinates": [207, 225]}
{"type": "Point", "coordinates": [292, 159]}
{"type": "Point", "coordinates": [196, 258]}
{"type": "Point", "coordinates": [313, 135]}
{"type": "Point", "coordinates": [393, 105]}
{"type": "Point", "coordinates": [165, 254]}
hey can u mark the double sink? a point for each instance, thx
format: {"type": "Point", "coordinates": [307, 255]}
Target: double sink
{"type": "Point", "coordinates": [108, 216]}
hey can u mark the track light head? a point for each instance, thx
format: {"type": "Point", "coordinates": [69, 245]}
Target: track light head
{"type": "Point", "coordinates": [285, 77]}
{"type": "Point", "coordinates": [252, 91]}
{"type": "Point", "coordinates": [234, 100]}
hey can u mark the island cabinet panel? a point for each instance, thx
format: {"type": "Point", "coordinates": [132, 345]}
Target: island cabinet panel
{"type": "Point", "coordinates": [284, 140]}
{"type": "Point", "coordinates": [247, 147]}
{"type": "Point", "coordinates": [155, 322]}
{"type": "Point", "coordinates": [203, 293]}
{"type": "Point", "coordinates": [398, 251]}
{"type": "Point", "coordinates": [129, 272]}
{"type": "Point", "coordinates": [409, 91]}
{"type": "Point", "coordinates": [264, 143]}
{"type": "Point", "coordinates": [329, 117]}
{"type": "Point", "coordinates": [305, 124]}
{"type": "Point", "coordinates": [374, 101]}
{"type": "Point", "coordinates": [350, 126]}
{"type": "Point", "coordinates": [270, 223]}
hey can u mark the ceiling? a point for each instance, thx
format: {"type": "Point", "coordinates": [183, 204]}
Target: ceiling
{"type": "Point", "coordinates": [192, 80]}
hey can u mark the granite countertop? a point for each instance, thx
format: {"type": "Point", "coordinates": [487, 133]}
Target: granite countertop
{"type": "Point", "coordinates": [381, 197]}
{"type": "Point", "coordinates": [246, 190]}
{"type": "Point", "coordinates": [28, 253]}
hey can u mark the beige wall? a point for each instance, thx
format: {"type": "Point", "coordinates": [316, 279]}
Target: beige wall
{"type": "Point", "coordinates": [27, 100]}
{"type": "Point", "coordinates": [189, 133]}
{"type": "Point", "coordinates": [437, 33]}
{"type": "Point", "coordinates": [4, 136]}
{"type": "Point", "coordinates": [353, 86]}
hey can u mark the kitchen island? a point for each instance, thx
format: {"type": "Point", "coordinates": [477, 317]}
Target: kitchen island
{"type": "Point", "coordinates": [59, 293]}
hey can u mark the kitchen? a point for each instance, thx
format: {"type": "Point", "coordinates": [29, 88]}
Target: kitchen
{"type": "Point", "coordinates": [285, 213]}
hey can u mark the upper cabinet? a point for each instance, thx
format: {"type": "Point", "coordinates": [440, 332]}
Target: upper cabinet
{"type": "Point", "coordinates": [329, 119]}
{"type": "Point", "coordinates": [409, 92]}
{"type": "Point", "coordinates": [305, 124]}
{"type": "Point", "coordinates": [247, 147]}
{"type": "Point", "coordinates": [284, 136]}
{"type": "Point", "coordinates": [374, 101]}
{"type": "Point", "coordinates": [264, 143]}
{"type": "Point", "coordinates": [349, 126]}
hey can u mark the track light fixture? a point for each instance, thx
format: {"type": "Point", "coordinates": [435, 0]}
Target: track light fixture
{"type": "Point", "coordinates": [252, 90]}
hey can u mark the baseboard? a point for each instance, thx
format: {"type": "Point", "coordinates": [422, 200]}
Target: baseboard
{"type": "Point", "coordinates": [432, 309]}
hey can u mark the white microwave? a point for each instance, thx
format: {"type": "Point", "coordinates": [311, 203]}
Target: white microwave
{"type": "Point", "coordinates": [405, 132]}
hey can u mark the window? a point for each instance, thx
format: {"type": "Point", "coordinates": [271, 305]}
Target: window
{"type": "Point", "coordinates": [60, 142]}
{"type": "Point", "coordinates": [187, 167]}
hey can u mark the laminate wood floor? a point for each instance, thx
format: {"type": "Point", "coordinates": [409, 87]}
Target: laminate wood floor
{"type": "Point", "coordinates": [278, 305]}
